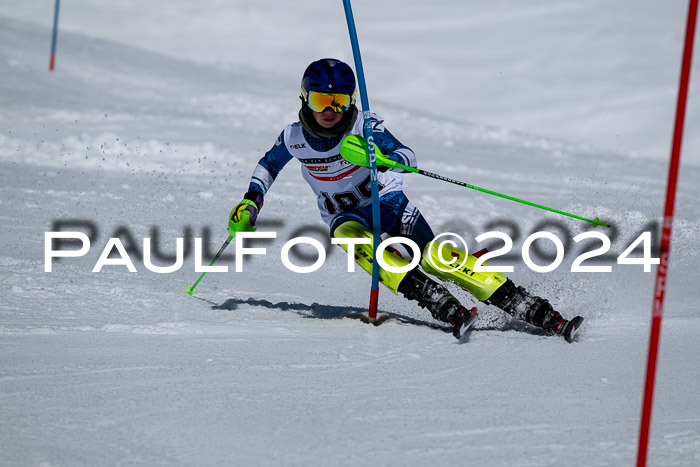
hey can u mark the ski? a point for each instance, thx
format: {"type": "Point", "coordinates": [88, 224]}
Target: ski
{"type": "Point", "coordinates": [571, 329]}
{"type": "Point", "coordinates": [464, 323]}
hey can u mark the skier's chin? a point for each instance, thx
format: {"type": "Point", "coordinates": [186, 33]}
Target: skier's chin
{"type": "Point", "coordinates": [328, 121]}
{"type": "Point", "coordinates": [327, 124]}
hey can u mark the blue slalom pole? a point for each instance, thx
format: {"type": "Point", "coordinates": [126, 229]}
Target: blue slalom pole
{"type": "Point", "coordinates": [52, 61]}
{"type": "Point", "coordinates": [374, 293]}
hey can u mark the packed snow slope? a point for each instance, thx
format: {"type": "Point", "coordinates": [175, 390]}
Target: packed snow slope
{"type": "Point", "coordinates": [603, 73]}
{"type": "Point", "coordinates": [270, 367]}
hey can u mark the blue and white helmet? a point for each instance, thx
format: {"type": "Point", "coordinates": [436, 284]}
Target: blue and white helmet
{"type": "Point", "coordinates": [328, 75]}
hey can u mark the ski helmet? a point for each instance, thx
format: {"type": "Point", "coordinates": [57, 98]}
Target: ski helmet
{"type": "Point", "coordinates": [328, 76]}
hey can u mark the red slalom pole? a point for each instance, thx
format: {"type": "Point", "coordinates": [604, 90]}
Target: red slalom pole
{"type": "Point", "coordinates": [662, 269]}
{"type": "Point", "coordinates": [54, 36]}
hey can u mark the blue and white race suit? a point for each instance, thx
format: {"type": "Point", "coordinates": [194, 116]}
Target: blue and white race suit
{"type": "Point", "coordinates": [342, 189]}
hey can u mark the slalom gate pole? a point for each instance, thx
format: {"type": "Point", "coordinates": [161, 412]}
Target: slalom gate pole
{"type": "Point", "coordinates": [662, 269]}
{"type": "Point", "coordinates": [54, 36]}
{"type": "Point", "coordinates": [374, 293]}
{"type": "Point", "coordinates": [190, 289]}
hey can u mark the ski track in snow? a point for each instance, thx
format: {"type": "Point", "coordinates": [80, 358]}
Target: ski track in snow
{"type": "Point", "coordinates": [267, 367]}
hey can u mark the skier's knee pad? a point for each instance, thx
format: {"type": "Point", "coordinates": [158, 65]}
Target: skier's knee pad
{"type": "Point", "coordinates": [442, 264]}
{"type": "Point", "coordinates": [363, 254]}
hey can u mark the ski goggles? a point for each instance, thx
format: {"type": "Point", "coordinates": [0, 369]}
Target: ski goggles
{"type": "Point", "coordinates": [320, 101]}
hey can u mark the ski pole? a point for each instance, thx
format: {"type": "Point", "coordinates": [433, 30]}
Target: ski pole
{"type": "Point", "coordinates": [190, 289]}
{"type": "Point", "coordinates": [595, 221]}
{"type": "Point", "coordinates": [233, 228]}
{"type": "Point", "coordinates": [354, 150]}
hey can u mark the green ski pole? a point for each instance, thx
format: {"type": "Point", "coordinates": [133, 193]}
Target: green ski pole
{"type": "Point", "coordinates": [354, 150]}
{"type": "Point", "coordinates": [233, 228]}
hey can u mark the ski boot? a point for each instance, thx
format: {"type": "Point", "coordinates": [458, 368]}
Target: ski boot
{"type": "Point", "coordinates": [439, 301]}
{"type": "Point", "coordinates": [517, 302]}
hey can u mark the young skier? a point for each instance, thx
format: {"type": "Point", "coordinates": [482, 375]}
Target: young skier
{"type": "Point", "coordinates": [328, 114]}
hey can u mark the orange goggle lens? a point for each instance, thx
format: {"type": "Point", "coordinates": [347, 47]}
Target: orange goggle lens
{"type": "Point", "coordinates": [320, 101]}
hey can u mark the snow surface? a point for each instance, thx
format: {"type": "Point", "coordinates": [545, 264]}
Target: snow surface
{"type": "Point", "coordinates": [152, 128]}
{"type": "Point", "coordinates": [599, 72]}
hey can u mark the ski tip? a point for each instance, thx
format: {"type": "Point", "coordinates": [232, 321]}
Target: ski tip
{"type": "Point", "coordinates": [572, 329]}
{"type": "Point", "coordinates": [464, 324]}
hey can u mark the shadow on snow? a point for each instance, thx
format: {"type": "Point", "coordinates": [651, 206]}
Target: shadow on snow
{"type": "Point", "coordinates": [320, 311]}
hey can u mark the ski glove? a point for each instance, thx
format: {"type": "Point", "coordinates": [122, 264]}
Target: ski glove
{"type": "Point", "coordinates": [252, 202]}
